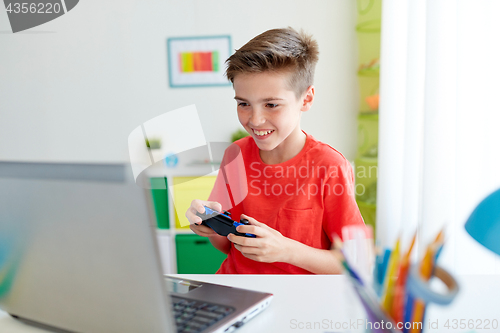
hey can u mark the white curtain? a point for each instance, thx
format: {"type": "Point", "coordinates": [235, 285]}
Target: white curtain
{"type": "Point", "coordinates": [439, 135]}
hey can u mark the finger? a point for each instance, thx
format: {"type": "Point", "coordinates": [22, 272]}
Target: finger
{"type": "Point", "coordinates": [196, 230]}
{"type": "Point", "coordinates": [254, 221]}
{"type": "Point", "coordinates": [214, 205]}
{"type": "Point", "coordinates": [201, 230]}
{"type": "Point", "coordinates": [240, 240]}
{"type": "Point", "coordinates": [197, 206]}
{"type": "Point", "coordinates": [192, 217]}
{"type": "Point", "coordinates": [251, 229]}
{"type": "Point", "coordinates": [245, 241]}
{"type": "Point", "coordinates": [247, 250]}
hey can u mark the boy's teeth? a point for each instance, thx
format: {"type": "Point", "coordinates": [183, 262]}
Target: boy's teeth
{"type": "Point", "coordinates": [262, 132]}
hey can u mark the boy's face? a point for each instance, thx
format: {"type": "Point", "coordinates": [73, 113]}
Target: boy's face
{"type": "Point", "coordinates": [270, 111]}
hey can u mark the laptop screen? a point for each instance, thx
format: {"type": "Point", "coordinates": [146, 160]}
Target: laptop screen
{"type": "Point", "coordinates": [77, 242]}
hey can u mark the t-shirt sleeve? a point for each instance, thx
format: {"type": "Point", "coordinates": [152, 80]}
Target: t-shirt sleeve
{"type": "Point", "coordinates": [340, 204]}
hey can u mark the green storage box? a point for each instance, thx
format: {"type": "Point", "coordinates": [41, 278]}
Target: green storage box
{"type": "Point", "coordinates": [159, 194]}
{"type": "Point", "coordinates": [196, 255]}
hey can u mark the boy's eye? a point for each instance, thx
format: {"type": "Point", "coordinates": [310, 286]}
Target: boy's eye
{"type": "Point", "coordinates": [271, 105]}
{"type": "Point", "coordinates": [242, 104]}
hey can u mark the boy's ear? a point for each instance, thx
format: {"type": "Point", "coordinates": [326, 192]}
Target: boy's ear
{"type": "Point", "coordinates": [307, 99]}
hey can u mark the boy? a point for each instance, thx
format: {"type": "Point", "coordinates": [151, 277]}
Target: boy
{"type": "Point", "coordinates": [298, 192]}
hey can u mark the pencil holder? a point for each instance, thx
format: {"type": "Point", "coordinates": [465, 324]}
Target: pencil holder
{"type": "Point", "coordinates": [419, 294]}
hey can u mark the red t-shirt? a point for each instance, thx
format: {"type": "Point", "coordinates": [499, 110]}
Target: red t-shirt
{"type": "Point", "coordinates": [307, 198]}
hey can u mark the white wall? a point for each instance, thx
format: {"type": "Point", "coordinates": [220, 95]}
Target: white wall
{"type": "Point", "coordinates": [72, 89]}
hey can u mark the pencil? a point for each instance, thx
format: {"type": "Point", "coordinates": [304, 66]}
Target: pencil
{"type": "Point", "coordinates": [390, 278]}
{"type": "Point", "coordinates": [437, 248]}
{"type": "Point", "coordinates": [426, 270]}
{"type": "Point", "coordinates": [408, 311]}
{"type": "Point", "coordinates": [400, 288]}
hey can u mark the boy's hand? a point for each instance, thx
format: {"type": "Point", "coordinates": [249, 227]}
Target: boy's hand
{"type": "Point", "coordinates": [195, 220]}
{"type": "Point", "coordinates": [269, 246]}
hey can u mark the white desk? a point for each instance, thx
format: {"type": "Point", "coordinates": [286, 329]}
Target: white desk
{"type": "Point", "coordinates": [303, 299]}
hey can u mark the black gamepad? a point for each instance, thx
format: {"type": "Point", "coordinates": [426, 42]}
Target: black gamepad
{"type": "Point", "coordinates": [222, 223]}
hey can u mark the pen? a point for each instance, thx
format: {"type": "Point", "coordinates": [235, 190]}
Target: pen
{"type": "Point", "coordinates": [390, 278]}
{"type": "Point", "coordinates": [437, 247]}
{"type": "Point", "coordinates": [426, 269]}
{"type": "Point", "coordinates": [400, 289]}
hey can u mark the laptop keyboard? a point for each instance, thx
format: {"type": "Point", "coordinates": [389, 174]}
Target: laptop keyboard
{"type": "Point", "coordinates": [194, 316]}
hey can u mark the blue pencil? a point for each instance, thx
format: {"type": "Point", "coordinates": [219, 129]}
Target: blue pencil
{"type": "Point", "coordinates": [408, 310]}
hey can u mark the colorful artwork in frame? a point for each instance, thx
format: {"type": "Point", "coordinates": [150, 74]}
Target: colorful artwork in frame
{"type": "Point", "coordinates": [198, 61]}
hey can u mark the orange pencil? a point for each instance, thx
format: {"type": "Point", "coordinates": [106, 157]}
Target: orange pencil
{"type": "Point", "coordinates": [439, 238]}
{"type": "Point", "coordinates": [399, 291]}
{"type": "Point", "coordinates": [426, 269]}
{"type": "Point", "coordinates": [436, 247]}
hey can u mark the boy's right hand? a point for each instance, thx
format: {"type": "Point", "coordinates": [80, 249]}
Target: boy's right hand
{"type": "Point", "coordinates": [195, 220]}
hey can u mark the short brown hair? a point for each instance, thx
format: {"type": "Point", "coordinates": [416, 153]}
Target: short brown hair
{"type": "Point", "coordinates": [278, 50]}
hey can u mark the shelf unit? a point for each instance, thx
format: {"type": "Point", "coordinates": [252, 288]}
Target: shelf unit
{"type": "Point", "coordinates": [366, 163]}
{"type": "Point", "coordinates": [165, 184]}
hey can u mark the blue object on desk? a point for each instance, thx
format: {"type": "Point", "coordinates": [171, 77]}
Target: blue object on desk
{"type": "Point", "coordinates": [484, 222]}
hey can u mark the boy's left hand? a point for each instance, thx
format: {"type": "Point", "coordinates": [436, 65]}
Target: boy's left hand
{"type": "Point", "coordinates": [269, 245]}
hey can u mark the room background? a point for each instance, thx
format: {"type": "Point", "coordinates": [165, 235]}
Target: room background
{"type": "Point", "coordinates": [73, 89]}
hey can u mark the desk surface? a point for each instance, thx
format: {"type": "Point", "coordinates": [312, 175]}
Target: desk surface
{"type": "Point", "coordinates": [326, 300]}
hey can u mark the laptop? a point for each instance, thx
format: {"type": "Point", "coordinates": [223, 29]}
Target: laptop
{"type": "Point", "coordinates": [78, 253]}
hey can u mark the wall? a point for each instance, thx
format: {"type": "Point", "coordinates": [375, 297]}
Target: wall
{"type": "Point", "coordinates": [72, 89]}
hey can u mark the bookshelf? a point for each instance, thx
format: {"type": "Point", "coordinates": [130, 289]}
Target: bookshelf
{"type": "Point", "coordinates": [368, 28]}
{"type": "Point", "coordinates": [181, 250]}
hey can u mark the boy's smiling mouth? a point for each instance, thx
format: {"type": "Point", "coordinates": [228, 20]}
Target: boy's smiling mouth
{"type": "Point", "coordinates": [262, 133]}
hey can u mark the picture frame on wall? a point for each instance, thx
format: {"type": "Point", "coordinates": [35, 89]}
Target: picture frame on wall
{"type": "Point", "coordinates": [197, 61]}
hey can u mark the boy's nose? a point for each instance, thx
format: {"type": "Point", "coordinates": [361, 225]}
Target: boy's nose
{"type": "Point", "coordinates": [257, 118]}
